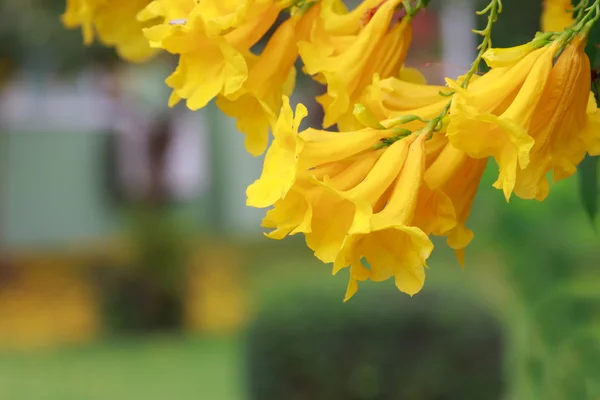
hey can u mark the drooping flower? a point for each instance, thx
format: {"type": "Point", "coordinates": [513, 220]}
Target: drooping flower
{"type": "Point", "coordinates": [281, 161]}
{"type": "Point", "coordinates": [482, 129]}
{"type": "Point", "coordinates": [457, 176]}
{"type": "Point", "coordinates": [542, 123]}
{"type": "Point", "coordinates": [383, 210]}
{"type": "Point", "coordinates": [271, 74]}
{"type": "Point", "coordinates": [393, 97]}
{"type": "Point", "coordinates": [347, 57]}
{"type": "Point", "coordinates": [450, 175]}
{"type": "Point", "coordinates": [212, 39]}
{"type": "Point", "coordinates": [114, 23]}
{"type": "Point", "coordinates": [556, 15]}
{"type": "Point", "coordinates": [391, 245]}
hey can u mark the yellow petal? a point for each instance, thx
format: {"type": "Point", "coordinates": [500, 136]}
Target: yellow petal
{"type": "Point", "coordinates": [498, 57]}
{"type": "Point", "coordinates": [486, 135]}
{"type": "Point", "coordinates": [280, 165]}
{"type": "Point", "coordinates": [401, 206]}
{"type": "Point", "coordinates": [412, 75]}
{"type": "Point", "coordinates": [323, 147]}
{"type": "Point", "coordinates": [289, 216]}
{"type": "Point", "coordinates": [384, 172]}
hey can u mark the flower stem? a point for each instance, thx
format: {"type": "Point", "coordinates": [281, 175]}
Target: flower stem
{"type": "Point", "coordinates": [436, 124]}
{"type": "Point", "coordinates": [493, 9]}
{"type": "Point", "coordinates": [586, 17]}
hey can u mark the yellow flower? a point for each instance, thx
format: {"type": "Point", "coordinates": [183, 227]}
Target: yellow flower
{"type": "Point", "coordinates": [270, 75]}
{"type": "Point", "coordinates": [291, 153]}
{"type": "Point", "coordinates": [506, 57]}
{"type": "Point", "coordinates": [212, 39]}
{"type": "Point", "coordinates": [593, 142]}
{"type": "Point", "coordinates": [393, 97]}
{"type": "Point", "coordinates": [548, 125]}
{"type": "Point", "coordinates": [557, 15]}
{"type": "Point", "coordinates": [457, 176]}
{"type": "Point", "coordinates": [489, 120]}
{"type": "Point", "coordinates": [391, 244]}
{"type": "Point", "coordinates": [564, 123]}
{"type": "Point", "coordinates": [281, 160]}
{"type": "Point", "coordinates": [338, 21]}
{"type": "Point", "coordinates": [411, 75]}
{"type": "Point", "coordinates": [497, 58]}
{"type": "Point", "coordinates": [383, 210]}
{"type": "Point", "coordinates": [115, 24]}
{"type": "Point", "coordinates": [347, 63]}
{"type": "Point", "coordinates": [451, 177]}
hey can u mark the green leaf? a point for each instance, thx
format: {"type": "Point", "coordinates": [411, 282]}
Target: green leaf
{"type": "Point", "coordinates": [588, 186]}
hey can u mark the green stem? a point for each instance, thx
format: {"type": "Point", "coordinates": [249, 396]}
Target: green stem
{"type": "Point", "coordinates": [580, 9]}
{"type": "Point", "coordinates": [493, 9]}
{"type": "Point", "coordinates": [436, 124]}
{"type": "Point", "coordinates": [413, 10]}
{"type": "Point", "coordinates": [587, 16]}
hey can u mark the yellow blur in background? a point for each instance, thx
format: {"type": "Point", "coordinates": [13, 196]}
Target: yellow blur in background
{"type": "Point", "coordinates": [50, 299]}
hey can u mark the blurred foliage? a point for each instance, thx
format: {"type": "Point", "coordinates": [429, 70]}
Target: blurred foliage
{"type": "Point", "coordinates": [517, 24]}
{"type": "Point", "coordinates": [32, 36]}
{"type": "Point", "coordinates": [588, 186]}
{"type": "Point", "coordinates": [588, 170]}
{"type": "Point", "coordinates": [437, 346]}
{"type": "Point", "coordinates": [148, 294]}
{"type": "Point", "coordinates": [550, 257]}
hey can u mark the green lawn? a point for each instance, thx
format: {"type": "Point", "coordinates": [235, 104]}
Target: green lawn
{"type": "Point", "coordinates": [172, 368]}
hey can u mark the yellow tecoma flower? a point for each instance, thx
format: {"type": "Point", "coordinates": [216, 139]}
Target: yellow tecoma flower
{"type": "Point", "coordinates": [565, 123]}
{"type": "Point", "coordinates": [212, 38]}
{"type": "Point", "coordinates": [449, 172]}
{"type": "Point", "coordinates": [291, 153]}
{"type": "Point", "coordinates": [457, 176]}
{"type": "Point", "coordinates": [377, 195]}
{"type": "Point", "coordinates": [114, 23]}
{"type": "Point", "coordinates": [270, 75]}
{"type": "Point", "coordinates": [392, 244]}
{"type": "Point", "coordinates": [488, 119]}
{"type": "Point", "coordinates": [393, 97]}
{"type": "Point", "coordinates": [347, 62]}
{"type": "Point", "coordinates": [556, 15]}
{"type": "Point", "coordinates": [547, 126]}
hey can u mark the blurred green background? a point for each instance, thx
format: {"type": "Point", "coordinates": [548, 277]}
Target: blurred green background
{"type": "Point", "coordinates": [131, 269]}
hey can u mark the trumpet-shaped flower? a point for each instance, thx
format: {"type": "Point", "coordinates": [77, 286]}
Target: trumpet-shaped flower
{"type": "Point", "coordinates": [353, 199]}
{"type": "Point", "coordinates": [482, 128]}
{"type": "Point", "coordinates": [270, 75]}
{"type": "Point", "coordinates": [565, 122]}
{"type": "Point", "coordinates": [281, 161]}
{"type": "Point", "coordinates": [212, 38]}
{"type": "Point", "coordinates": [391, 245]}
{"type": "Point", "coordinates": [457, 176]}
{"type": "Point", "coordinates": [114, 23]}
{"type": "Point", "coordinates": [392, 97]}
{"type": "Point", "coordinates": [546, 126]}
{"type": "Point", "coordinates": [451, 176]}
{"type": "Point", "coordinates": [347, 63]}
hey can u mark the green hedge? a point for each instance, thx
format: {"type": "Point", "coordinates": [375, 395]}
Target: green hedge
{"type": "Point", "coordinates": [384, 346]}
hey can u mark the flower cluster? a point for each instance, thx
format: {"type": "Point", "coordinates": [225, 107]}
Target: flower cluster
{"type": "Point", "coordinates": [408, 157]}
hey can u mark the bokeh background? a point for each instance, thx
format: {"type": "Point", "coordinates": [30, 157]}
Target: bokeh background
{"type": "Point", "coordinates": [130, 267]}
